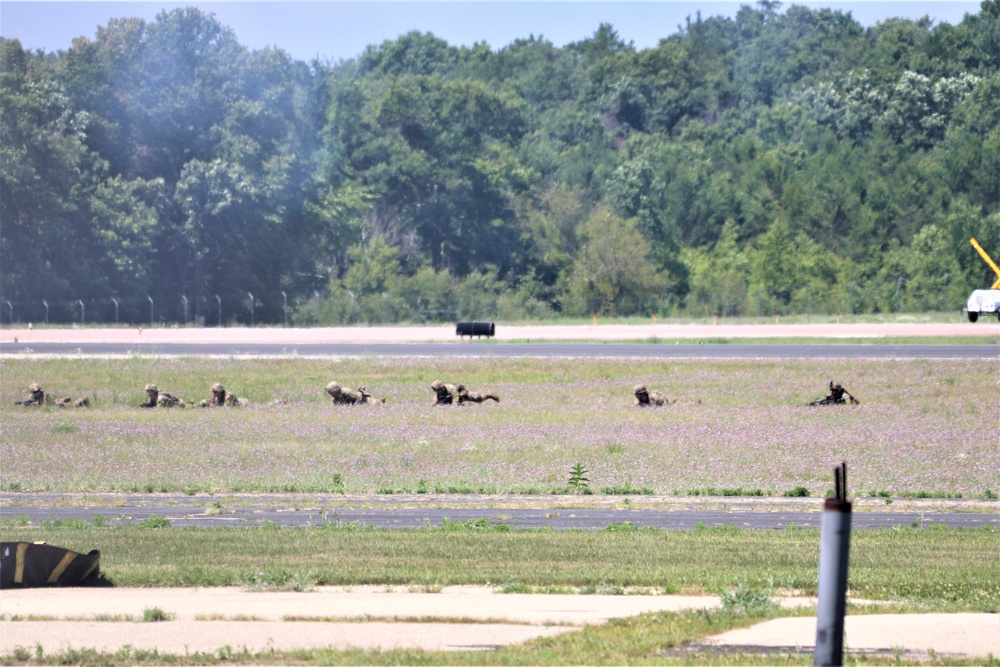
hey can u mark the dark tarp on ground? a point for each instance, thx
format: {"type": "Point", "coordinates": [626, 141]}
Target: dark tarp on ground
{"type": "Point", "coordinates": [27, 565]}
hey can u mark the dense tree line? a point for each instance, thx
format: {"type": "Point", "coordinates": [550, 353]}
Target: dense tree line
{"type": "Point", "coordinates": [778, 161]}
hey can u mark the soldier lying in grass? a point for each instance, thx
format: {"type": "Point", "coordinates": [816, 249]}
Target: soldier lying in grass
{"type": "Point", "coordinates": [342, 396]}
{"type": "Point", "coordinates": [221, 398]}
{"type": "Point", "coordinates": [37, 397]}
{"type": "Point", "coordinates": [161, 399]}
{"type": "Point", "coordinates": [644, 399]}
{"type": "Point", "coordinates": [836, 397]}
{"type": "Point", "coordinates": [450, 394]}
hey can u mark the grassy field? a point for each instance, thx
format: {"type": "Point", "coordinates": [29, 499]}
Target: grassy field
{"type": "Point", "coordinates": [924, 427]}
{"type": "Point", "coordinates": [941, 569]}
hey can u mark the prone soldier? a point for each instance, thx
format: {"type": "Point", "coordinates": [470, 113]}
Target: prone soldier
{"type": "Point", "coordinates": [38, 397]}
{"type": "Point", "coordinates": [836, 397]}
{"type": "Point", "coordinates": [221, 397]}
{"type": "Point", "coordinates": [161, 399]}
{"type": "Point", "coordinates": [450, 394]}
{"type": "Point", "coordinates": [644, 399]}
{"type": "Point", "coordinates": [344, 396]}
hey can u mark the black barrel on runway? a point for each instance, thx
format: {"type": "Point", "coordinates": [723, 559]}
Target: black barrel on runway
{"type": "Point", "coordinates": [471, 329]}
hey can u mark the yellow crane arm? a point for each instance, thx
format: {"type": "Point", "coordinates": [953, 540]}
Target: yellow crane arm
{"type": "Point", "coordinates": [988, 260]}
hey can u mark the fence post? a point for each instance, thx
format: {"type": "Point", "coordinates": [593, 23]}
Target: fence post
{"type": "Point", "coordinates": [46, 304]}
{"type": "Point", "coordinates": [115, 301]}
{"type": "Point", "coordinates": [82, 310]}
{"type": "Point", "coordinates": [151, 320]}
{"type": "Point", "coordinates": [251, 308]}
{"type": "Point", "coordinates": [835, 545]}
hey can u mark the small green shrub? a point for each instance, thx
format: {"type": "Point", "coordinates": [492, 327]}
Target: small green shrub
{"type": "Point", "coordinates": [626, 490]}
{"type": "Point", "coordinates": [624, 527]}
{"type": "Point", "coordinates": [281, 580]}
{"type": "Point", "coordinates": [743, 598]}
{"type": "Point", "coordinates": [56, 522]}
{"type": "Point", "coordinates": [473, 525]}
{"type": "Point", "coordinates": [337, 483]}
{"type": "Point", "coordinates": [155, 521]}
{"type": "Point", "coordinates": [514, 587]}
{"type": "Point", "coordinates": [155, 615]}
{"type": "Point", "coordinates": [578, 479]}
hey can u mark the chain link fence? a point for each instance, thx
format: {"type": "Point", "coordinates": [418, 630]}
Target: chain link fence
{"type": "Point", "coordinates": [346, 308]}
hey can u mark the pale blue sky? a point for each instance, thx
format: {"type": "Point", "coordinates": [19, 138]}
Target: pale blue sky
{"type": "Point", "coordinates": [334, 30]}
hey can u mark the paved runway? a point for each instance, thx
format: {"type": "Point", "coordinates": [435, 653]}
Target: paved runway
{"type": "Point", "coordinates": [517, 512]}
{"type": "Point", "coordinates": [486, 349]}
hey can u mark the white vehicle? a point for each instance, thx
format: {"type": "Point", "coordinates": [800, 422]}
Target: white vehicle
{"type": "Point", "coordinates": [984, 300]}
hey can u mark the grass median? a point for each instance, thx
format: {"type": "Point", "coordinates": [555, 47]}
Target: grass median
{"type": "Point", "coordinates": [943, 569]}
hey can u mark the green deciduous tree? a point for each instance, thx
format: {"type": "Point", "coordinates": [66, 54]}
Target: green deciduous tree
{"type": "Point", "coordinates": [613, 270]}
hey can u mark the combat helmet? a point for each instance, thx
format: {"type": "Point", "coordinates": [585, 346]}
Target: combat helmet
{"type": "Point", "coordinates": [218, 389]}
{"type": "Point", "coordinates": [333, 388]}
{"type": "Point", "coordinates": [640, 389]}
{"type": "Point", "coordinates": [151, 388]}
{"type": "Point", "coordinates": [437, 384]}
{"type": "Point", "coordinates": [34, 387]}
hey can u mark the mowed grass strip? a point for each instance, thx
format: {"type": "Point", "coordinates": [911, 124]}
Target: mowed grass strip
{"type": "Point", "coordinates": [943, 568]}
{"type": "Point", "coordinates": [663, 638]}
{"type": "Point", "coordinates": [737, 424]}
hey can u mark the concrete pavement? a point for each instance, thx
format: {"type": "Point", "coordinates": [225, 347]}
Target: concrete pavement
{"type": "Point", "coordinates": [453, 618]}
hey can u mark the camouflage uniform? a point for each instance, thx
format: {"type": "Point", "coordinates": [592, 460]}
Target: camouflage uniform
{"type": "Point", "coordinates": [161, 399]}
{"type": "Point", "coordinates": [836, 397]}
{"type": "Point", "coordinates": [644, 399]}
{"type": "Point", "coordinates": [221, 397]}
{"type": "Point", "coordinates": [450, 394]}
{"type": "Point", "coordinates": [36, 397]}
{"type": "Point", "coordinates": [78, 403]}
{"type": "Point", "coordinates": [342, 396]}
